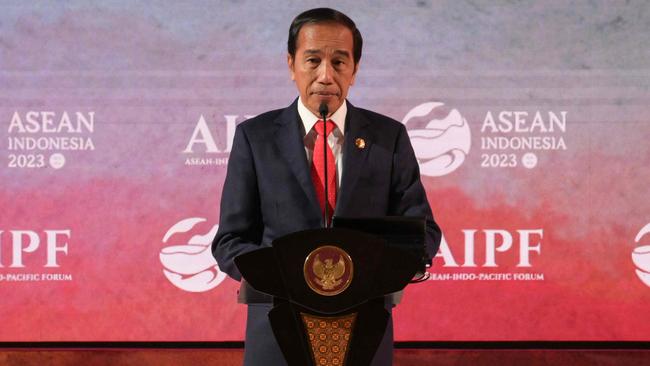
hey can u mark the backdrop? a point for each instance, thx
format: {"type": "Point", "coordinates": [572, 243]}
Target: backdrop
{"type": "Point", "coordinates": [529, 120]}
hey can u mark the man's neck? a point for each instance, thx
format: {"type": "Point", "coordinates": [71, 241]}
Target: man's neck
{"type": "Point", "coordinates": [309, 119]}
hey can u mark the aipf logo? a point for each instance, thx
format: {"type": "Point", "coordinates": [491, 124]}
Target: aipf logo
{"type": "Point", "coordinates": [442, 145]}
{"type": "Point", "coordinates": [641, 256]}
{"type": "Point", "coordinates": [189, 263]}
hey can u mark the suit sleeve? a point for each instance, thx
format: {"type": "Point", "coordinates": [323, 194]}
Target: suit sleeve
{"type": "Point", "coordinates": [240, 222]}
{"type": "Point", "coordinates": [407, 196]}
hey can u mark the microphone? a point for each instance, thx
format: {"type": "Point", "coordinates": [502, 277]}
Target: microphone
{"type": "Point", "coordinates": [323, 109]}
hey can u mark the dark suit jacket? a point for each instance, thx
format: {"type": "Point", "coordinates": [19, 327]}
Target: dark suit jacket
{"type": "Point", "coordinates": [268, 190]}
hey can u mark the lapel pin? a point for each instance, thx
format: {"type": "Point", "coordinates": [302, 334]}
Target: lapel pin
{"type": "Point", "coordinates": [360, 143]}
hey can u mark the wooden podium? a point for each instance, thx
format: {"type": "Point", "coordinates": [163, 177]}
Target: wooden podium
{"type": "Point", "coordinates": [328, 288]}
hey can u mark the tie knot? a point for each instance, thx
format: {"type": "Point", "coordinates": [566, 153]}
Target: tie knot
{"type": "Point", "coordinates": [319, 127]}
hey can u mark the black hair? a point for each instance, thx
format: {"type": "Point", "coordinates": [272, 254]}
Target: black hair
{"type": "Point", "coordinates": [324, 15]}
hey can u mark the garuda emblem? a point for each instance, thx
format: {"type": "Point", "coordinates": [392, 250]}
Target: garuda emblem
{"type": "Point", "coordinates": [328, 274]}
{"type": "Point", "coordinates": [328, 270]}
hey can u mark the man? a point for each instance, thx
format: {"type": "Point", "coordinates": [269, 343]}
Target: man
{"type": "Point", "coordinates": [274, 185]}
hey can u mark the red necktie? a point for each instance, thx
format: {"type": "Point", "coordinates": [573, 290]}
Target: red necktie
{"type": "Point", "coordinates": [318, 172]}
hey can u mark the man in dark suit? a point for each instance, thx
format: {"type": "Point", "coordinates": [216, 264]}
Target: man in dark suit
{"type": "Point", "coordinates": [274, 186]}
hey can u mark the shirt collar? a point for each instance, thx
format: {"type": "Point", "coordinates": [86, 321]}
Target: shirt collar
{"type": "Point", "coordinates": [309, 119]}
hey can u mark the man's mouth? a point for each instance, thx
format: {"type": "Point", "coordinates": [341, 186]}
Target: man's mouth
{"type": "Point", "coordinates": [323, 94]}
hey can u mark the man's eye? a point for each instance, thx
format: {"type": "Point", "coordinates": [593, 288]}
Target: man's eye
{"type": "Point", "coordinates": [312, 60]}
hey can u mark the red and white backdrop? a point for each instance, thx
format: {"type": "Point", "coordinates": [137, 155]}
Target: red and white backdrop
{"type": "Point", "coordinates": [529, 120]}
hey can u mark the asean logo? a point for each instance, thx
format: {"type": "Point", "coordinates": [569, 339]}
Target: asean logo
{"type": "Point", "coordinates": [189, 264]}
{"type": "Point", "coordinates": [641, 257]}
{"type": "Point", "coordinates": [328, 270]}
{"type": "Point", "coordinates": [441, 144]}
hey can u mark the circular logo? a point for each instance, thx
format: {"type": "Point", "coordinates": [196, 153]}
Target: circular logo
{"type": "Point", "coordinates": [442, 145]}
{"type": "Point", "coordinates": [641, 257]}
{"type": "Point", "coordinates": [529, 160]}
{"type": "Point", "coordinates": [57, 160]}
{"type": "Point", "coordinates": [189, 263]}
{"type": "Point", "coordinates": [328, 270]}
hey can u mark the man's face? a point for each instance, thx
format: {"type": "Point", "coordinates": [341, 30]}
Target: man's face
{"type": "Point", "coordinates": [323, 67]}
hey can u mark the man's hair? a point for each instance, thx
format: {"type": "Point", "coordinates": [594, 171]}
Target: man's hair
{"type": "Point", "coordinates": [324, 15]}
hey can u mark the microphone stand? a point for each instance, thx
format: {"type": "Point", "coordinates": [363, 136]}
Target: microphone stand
{"type": "Point", "coordinates": [323, 109]}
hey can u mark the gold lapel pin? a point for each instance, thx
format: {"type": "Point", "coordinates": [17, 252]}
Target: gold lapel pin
{"type": "Point", "coordinates": [360, 143]}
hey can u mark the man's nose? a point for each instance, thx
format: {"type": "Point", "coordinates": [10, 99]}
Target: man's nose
{"type": "Point", "coordinates": [325, 72]}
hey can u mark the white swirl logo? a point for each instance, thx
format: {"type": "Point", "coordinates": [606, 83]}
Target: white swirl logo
{"type": "Point", "coordinates": [641, 256]}
{"type": "Point", "coordinates": [190, 266]}
{"type": "Point", "coordinates": [442, 145]}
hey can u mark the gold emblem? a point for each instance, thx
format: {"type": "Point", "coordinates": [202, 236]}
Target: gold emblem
{"type": "Point", "coordinates": [360, 143]}
{"type": "Point", "coordinates": [328, 270]}
{"type": "Point", "coordinates": [328, 274]}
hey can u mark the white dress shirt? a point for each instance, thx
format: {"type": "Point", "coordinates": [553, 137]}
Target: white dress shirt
{"type": "Point", "coordinates": [335, 138]}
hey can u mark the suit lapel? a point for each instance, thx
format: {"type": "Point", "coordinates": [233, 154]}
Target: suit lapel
{"type": "Point", "coordinates": [289, 141]}
{"type": "Point", "coordinates": [354, 157]}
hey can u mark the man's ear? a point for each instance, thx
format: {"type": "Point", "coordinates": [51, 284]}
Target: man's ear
{"type": "Point", "coordinates": [354, 73]}
{"type": "Point", "coordinates": [290, 65]}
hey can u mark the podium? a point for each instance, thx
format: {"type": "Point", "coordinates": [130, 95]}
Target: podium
{"type": "Point", "coordinates": [328, 288]}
